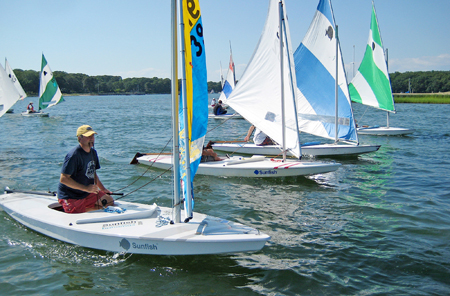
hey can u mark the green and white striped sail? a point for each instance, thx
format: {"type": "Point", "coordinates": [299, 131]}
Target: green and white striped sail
{"type": "Point", "coordinates": [49, 92]}
{"type": "Point", "coordinates": [371, 85]}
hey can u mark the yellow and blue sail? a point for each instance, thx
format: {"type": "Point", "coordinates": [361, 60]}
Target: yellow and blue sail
{"type": "Point", "coordinates": [195, 103]}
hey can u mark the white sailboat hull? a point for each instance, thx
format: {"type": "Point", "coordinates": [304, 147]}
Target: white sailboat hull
{"type": "Point", "coordinates": [256, 166]}
{"type": "Point", "coordinates": [309, 150]}
{"type": "Point", "coordinates": [384, 131]}
{"type": "Point", "coordinates": [36, 114]}
{"type": "Point", "coordinates": [226, 116]}
{"type": "Point", "coordinates": [134, 231]}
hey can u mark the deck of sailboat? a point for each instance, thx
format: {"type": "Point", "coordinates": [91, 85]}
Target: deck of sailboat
{"type": "Point", "coordinates": [332, 149]}
{"type": "Point", "coordinates": [384, 131]}
{"type": "Point", "coordinates": [252, 167]}
{"type": "Point", "coordinates": [139, 229]}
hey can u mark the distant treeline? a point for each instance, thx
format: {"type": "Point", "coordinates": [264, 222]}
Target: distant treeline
{"type": "Point", "coordinates": [104, 84]}
{"type": "Point", "coordinates": [417, 82]}
{"type": "Point", "coordinates": [420, 82]}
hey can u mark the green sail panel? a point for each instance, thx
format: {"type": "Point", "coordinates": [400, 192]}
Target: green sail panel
{"type": "Point", "coordinates": [371, 85]}
{"type": "Point", "coordinates": [49, 92]}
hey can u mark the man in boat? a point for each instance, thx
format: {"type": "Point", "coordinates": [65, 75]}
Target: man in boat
{"type": "Point", "coordinates": [208, 154]}
{"type": "Point", "coordinates": [260, 138]}
{"type": "Point", "coordinates": [30, 108]}
{"type": "Point", "coordinates": [80, 189]}
{"type": "Point", "coordinates": [218, 109]}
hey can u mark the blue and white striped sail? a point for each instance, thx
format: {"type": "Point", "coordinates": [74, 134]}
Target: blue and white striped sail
{"type": "Point", "coordinates": [315, 67]}
{"type": "Point", "coordinates": [257, 96]}
{"type": "Point", "coordinates": [194, 100]}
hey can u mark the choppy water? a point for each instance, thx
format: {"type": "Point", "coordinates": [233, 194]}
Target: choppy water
{"type": "Point", "coordinates": [377, 226]}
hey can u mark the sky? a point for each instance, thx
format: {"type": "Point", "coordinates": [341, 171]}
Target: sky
{"type": "Point", "coordinates": [132, 38]}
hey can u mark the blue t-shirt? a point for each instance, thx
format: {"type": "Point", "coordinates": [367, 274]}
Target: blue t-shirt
{"type": "Point", "coordinates": [81, 167]}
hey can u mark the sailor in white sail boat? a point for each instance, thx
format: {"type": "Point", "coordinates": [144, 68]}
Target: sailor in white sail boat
{"type": "Point", "coordinates": [260, 138]}
{"type": "Point", "coordinates": [219, 109]}
{"type": "Point", "coordinates": [80, 189]}
{"type": "Point", "coordinates": [208, 154]}
{"type": "Point", "coordinates": [30, 108]}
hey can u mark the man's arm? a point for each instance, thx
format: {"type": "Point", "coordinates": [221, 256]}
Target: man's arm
{"type": "Point", "coordinates": [69, 182]}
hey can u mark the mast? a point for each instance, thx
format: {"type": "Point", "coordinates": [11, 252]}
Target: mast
{"type": "Point", "coordinates": [188, 201]}
{"type": "Point", "coordinates": [283, 123]}
{"type": "Point", "coordinates": [387, 67]}
{"type": "Point", "coordinates": [175, 106]}
{"type": "Point", "coordinates": [336, 118]}
{"type": "Point", "coordinates": [293, 84]}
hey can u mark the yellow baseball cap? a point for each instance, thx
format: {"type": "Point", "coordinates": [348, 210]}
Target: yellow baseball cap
{"type": "Point", "coordinates": [85, 131]}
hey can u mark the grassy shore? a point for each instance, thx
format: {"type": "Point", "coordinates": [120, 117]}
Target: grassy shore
{"type": "Point", "coordinates": [438, 98]}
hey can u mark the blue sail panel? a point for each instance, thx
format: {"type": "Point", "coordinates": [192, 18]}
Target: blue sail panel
{"type": "Point", "coordinates": [318, 87]}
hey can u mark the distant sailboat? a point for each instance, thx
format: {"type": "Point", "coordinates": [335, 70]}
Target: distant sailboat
{"type": "Point", "coordinates": [49, 92]}
{"type": "Point", "coordinates": [371, 85]}
{"type": "Point", "coordinates": [15, 81]}
{"type": "Point", "coordinates": [324, 106]}
{"type": "Point", "coordinates": [230, 82]}
{"type": "Point", "coordinates": [8, 92]}
{"type": "Point", "coordinates": [227, 87]}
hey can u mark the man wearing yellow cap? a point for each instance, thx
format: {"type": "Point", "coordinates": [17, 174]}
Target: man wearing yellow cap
{"type": "Point", "coordinates": [80, 189]}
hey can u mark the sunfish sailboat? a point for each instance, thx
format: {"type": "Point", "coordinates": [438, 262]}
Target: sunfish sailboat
{"type": "Point", "coordinates": [230, 82]}
{"type": "Point", "coordinates": [145, 229]}
{"type": "Point", "coordinates": [8, 92]}
{"type": "Point", "coordinates": [316, 98]}
{"type": "Point", "coordinates": [49, 92]}
{"type": "Point", "coordinates": [227, 88]}
{"type": "Point", "coordinates": [371, 85]}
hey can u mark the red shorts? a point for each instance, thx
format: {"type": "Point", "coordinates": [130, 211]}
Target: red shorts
{"type": "Point", "coordinates": [74, 206]}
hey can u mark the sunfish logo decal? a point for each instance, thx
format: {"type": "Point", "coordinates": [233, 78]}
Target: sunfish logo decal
{"type": "Point", "coordinates": [266, 172]}
{"type": "Point", "coordinates": [125, 244]}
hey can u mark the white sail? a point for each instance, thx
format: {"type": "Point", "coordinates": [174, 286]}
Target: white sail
{"type": "Point", "coordinates": [8, 92]}
{"type": "Point", "coordinates": [15, 81]}
{"type": "Point", "coordinates": [257, 96]}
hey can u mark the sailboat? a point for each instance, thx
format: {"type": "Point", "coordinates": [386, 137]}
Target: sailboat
{"type": "Point", "coordinates": [49, 92]}
{"type": "Point", "coordinates": [274, 114]}
{"type": "Point", "coordinates": [322, 104]}
{"type": "Point", "coordinates": [371, 85]}
{"type": "Point", "coordinates": [15, 81]}
{"type": "Point", "coordinates": [8, 92]}
{"type": "Point", "coordinates": [227, 87]}
{"type": "Point", "coordinates": [151, 229]}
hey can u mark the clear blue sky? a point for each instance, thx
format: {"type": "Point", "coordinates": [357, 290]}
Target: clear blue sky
{"type": "Point", "coordinates": [132, 38]}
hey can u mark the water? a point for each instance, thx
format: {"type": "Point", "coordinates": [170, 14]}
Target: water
{"type": "Point", "coordinates": [377, 226]}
